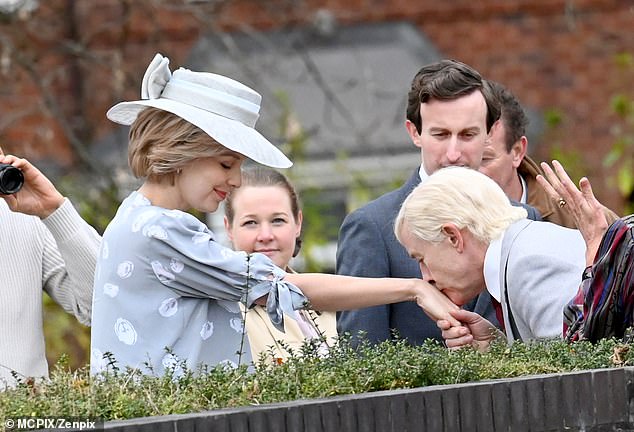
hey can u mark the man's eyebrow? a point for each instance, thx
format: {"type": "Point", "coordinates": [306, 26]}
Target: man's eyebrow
{"type": "Point", "coordinates": [471, 128]}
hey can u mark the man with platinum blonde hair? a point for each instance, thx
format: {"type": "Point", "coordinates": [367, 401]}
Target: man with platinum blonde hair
{"type": "Point", "coordinates": [449, 115]}
{"type": "Point", "coordinates": [467, 238]}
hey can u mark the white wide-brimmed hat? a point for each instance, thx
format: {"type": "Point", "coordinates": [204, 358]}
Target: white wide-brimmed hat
{"type": "Point", "coordinates": [223, 108]}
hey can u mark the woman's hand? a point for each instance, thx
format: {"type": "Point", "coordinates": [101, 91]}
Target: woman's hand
{"type": "Point", "coordinates": [587, 211]}
{"type": "Point", "coordinates": [38, 196]}
{"type": "Point", "coordinates": [475, 331]}
{"type": "Point", "coordinates": [434, 303]}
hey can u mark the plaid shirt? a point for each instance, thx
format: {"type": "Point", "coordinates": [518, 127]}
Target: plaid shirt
{"type": "Point", "coordinates": [604, 305]}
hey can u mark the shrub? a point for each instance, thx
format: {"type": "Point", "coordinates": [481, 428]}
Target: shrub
{"type": "Point", "coordinates": [307, 374]}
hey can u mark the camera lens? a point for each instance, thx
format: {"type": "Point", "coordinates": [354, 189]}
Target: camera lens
{"type": "Point", "coordinates": [11, 179]}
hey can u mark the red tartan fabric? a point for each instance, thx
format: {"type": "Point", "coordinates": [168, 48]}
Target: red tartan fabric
{"type": "Point", "coordinates": [604, 305]}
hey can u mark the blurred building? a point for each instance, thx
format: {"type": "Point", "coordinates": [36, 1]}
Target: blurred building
{"type": "Point", "coordinates": [334, 77]}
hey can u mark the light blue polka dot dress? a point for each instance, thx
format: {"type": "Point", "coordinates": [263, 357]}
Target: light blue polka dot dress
{"type": "Point", "coordinates": [166, 293]}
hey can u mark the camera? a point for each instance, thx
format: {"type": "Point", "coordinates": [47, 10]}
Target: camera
{"type": "Point", "coordinates": [11, 179]}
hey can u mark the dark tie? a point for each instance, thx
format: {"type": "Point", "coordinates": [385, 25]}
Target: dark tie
{"type": "Point", "coordinates": [498, 311]}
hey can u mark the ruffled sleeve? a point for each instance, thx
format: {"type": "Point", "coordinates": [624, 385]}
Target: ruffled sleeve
{"type": "Point", "coordinates": [283, 297]}
{"type": "Point", "coordinates": [185, 257]}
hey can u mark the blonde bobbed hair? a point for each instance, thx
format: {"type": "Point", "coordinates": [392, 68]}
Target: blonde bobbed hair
{"type": "Point", "coordinates": [161, 143]}
{"type": "Point", "coordinates": [461, 196]}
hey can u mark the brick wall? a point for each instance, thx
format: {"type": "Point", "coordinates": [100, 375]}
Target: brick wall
{"type": "Point", "coordinates": [553, 54]}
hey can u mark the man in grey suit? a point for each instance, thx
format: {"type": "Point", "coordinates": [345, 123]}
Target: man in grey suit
{"type": "Point", "coordinates": [467, 237]}
{"type": "Point", "coordinates": [449, 115]}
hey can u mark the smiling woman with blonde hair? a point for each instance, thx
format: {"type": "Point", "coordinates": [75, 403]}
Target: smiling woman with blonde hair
{"type": "Point", "coordinates": [264, 215]}
{"type": "Point", "coordinates": [166, 293]}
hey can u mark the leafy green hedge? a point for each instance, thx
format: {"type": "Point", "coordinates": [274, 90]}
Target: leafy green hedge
{"type": "Point", "coordinates": [122, 395]}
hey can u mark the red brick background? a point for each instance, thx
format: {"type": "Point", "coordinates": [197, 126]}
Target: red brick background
{"type": "Point", "coordinates": [554, 54]}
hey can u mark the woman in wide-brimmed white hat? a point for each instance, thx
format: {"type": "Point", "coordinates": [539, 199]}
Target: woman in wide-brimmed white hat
{"type": "Point", "coordinates": [166, 293]}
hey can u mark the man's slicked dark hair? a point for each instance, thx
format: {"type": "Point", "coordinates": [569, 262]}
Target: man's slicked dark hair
{"type": "Point", "coordinates": [513, 115]}
{"type": "Point", "coordinates": [448, 80]}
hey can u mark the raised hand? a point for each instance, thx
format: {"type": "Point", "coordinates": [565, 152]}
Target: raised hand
{"type": "Point", "coordinates": [588, 212]}
{"type": "Point", "coordinates": [38, 196]}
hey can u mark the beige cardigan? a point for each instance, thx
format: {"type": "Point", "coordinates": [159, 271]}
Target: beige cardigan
{"type": "Point", "coordinates": [265, 338]}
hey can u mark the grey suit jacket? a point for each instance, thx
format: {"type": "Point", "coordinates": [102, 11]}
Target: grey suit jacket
{"type": "Point", "coordinates": [368, 247]}
{"type": "Point", "coordinates": [544, 263]}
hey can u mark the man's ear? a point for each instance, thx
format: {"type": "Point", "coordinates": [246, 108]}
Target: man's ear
{"type": "Point", "coordinates": [412, 132]}
{"type": "Point", "coordinates": [454, 235]}
{"type": "Point", "coordinates": [518, 151]}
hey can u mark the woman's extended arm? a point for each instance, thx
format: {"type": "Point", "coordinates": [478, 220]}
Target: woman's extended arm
{"type": "Point", "coordinates": [330, 292]}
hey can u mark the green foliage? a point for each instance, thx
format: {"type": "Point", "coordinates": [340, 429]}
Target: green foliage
{"type": "Point", "coordinates": [65, 337]}
{"type": "Point", "coordinates": [362, 192]}
{"type": "Point", "coordinates": [572, 160]}
{"type": "Point", "coordinates": [621, 155]}
{"type": "Point", "coordinates": [308, 374]}
{"type": "Point", "coordinates": [96, 203]}
{"type": "Point", "coordinates": [317, 223]}
{"type": "Point", "coordinates": [320, 225]}
{"type": "Point", "coordinates": [554, 118]}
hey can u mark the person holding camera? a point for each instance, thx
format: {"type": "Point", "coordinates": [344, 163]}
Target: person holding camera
{"type": "Point", "coordinates": [46, 246]}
